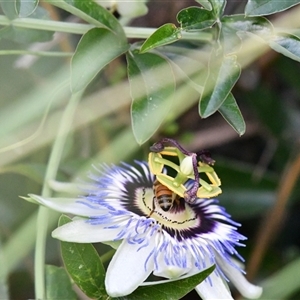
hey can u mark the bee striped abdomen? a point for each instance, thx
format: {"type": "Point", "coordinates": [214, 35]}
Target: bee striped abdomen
{"type": "Point", "coordinates": [163, 195]}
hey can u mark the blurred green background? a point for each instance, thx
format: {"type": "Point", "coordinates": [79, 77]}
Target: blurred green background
{"type": "Point", "coordinates": [259, 171]}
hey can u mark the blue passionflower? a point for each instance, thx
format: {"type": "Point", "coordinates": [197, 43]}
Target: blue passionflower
{"type": "Point", "coordinates": [181, 239]}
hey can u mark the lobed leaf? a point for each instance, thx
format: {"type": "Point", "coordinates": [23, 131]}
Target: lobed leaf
{"type": "Point", "coordinates": [173, 290]}
{"type": "Point", "coordinates": [152, 87]}
{"type": "Point", "coordinates": [166, 34]}
{"type": "Point", "coordinates": [232, 114]}
{"type": "Point", "coordinates": [195, 18]}
{"type": "Point", "coordinates": [223, 73]}
{"type": "Point", "coordinates": [84, 265]}
{"type": "Point", "coordinates": [95, 50]}
{"type": "Point", "coordinates": [266, 7]}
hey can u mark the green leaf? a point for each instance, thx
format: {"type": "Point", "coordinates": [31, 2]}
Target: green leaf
{"type": "Point", "coordinates": [230, 41]}
{"type": "Point", "coordinates": [25, 8]}
{"type": "Point", "coordinates": [195, 18]}
{"type": "Point", "coordinates": [282, 284]}
{"type": "Point", "coordinates": [84, 265]}
{"type": "Point", "coordinates": [232, 114]}
{"type": "Point", "coordinates": [152, 87]}
{"type": "Point", "coordinates": [9, 9]}
{"type": "Point", "coordinates": [166, 34]}
{"type": "Point", "coordinates": [266, 7]}
{"type": "Point", "coordinates": [256, 25]}
{"type": "Point", "coordinates": [222, 76]}
{"type": "Point", "coordinates": [286, 44]}
{"type": "Point", "coordinates": [205, 3]}
{"type": "Point", "coordinates": [218, 6]}
{"type": "Point", "coordinates": [92, 13]}
{"type": "Point", "coordinates": [235, 27]}
{"type": "Point", "coordinates": [171, 290]}
{"type": "Point", "coordinates": [25, 35]}
{"type": "Point", "coordinates": [189, 65]}
{"type": "Point", "coordinates": [58, 284]}
{"type": "Point", "coordinates": [95, 50]}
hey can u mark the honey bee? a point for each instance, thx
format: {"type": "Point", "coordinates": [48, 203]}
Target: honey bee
{"type": "Point", "coordinates": [163, 197]}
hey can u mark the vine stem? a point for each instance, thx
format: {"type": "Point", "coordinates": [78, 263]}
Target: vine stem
{"type": "Point", "coordinates": [76, 28]}
{"type": "Point", "coordinates": [43, 213]}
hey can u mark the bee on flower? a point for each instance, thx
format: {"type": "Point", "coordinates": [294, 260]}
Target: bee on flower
{"type": "Point", "coordinates": [188, 168]}
{"type": "Point", "coordinates": [160, 232]}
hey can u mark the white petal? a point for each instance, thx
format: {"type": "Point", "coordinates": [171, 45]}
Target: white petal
{"type": "Point", "coordinates": [69, 205]}
{"type": "Point", "coordinates": [213, 288]}
{"type": "Point", "coordinates": [247, 289]}
{"type": "Point", "coordinates": [129, 268]}
{"type": "Point", "coordinates": [79, 231]}
{"type": "Point", "coordinates": [170, 272]}
{"type": "Point", "coordinates": [173, 271]}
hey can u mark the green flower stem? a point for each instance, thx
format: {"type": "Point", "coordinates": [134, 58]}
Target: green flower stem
{"type": "Point", "coordinates": [43, 213]}
{"type": "Point", "coordinates": [75, 28]}
{"type": "Point", "coordinates": [48, 25]}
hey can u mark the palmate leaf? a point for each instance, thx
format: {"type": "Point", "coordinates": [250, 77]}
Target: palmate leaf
{"type": "Point", "coordinates": [173, 290]}
{"type": "Point", "coordinates": [223, 73]}
{"type": "Point", "coordinates": [152, 87]}
{"type": "Point", "coordinates": [95, 50]}
{"type": "Point", "coordinates": [84, 266]}
{"type": "Point", "coordinates": [266, 7]}
{"type": "Point", "coordinates": [166, 34]}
